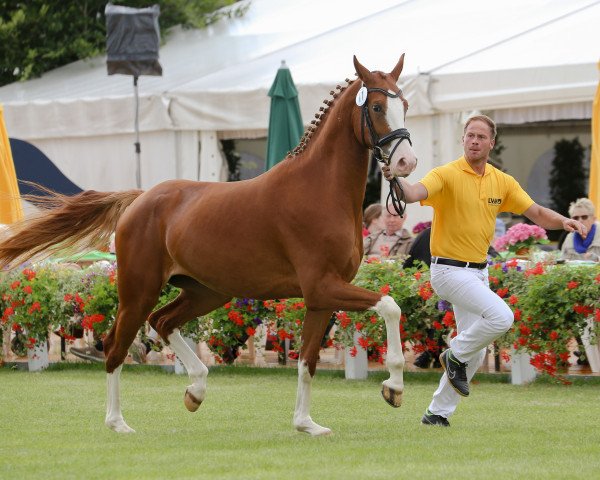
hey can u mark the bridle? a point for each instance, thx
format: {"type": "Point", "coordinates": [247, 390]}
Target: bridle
{"type": "Point", "coordinates": [378, 144]}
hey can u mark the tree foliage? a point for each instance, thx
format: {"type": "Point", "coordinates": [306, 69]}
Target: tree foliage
{"type": "Point", "coordinates": [568, 175]}
{"type": "Point", "coordinates": [496, 153]}
{"type": "Point", "coordinates": [40, 35]}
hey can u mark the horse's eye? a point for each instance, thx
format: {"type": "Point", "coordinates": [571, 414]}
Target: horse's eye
{"type": "Point", "coordinates": [377, 108]}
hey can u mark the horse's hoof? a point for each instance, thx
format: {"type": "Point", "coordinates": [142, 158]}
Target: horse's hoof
{"type": "Point", "coordinates": [313, 429]}
{"type": "Point", "coordinates": [119, 426]}
{"type": "Point", "coordinates": [191, 402]}
{"type": "Point", "coordinates": [391, 396]}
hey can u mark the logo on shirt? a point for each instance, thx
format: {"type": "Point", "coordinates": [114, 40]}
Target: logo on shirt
{"type": "Point", "coordinates": [494, 201]}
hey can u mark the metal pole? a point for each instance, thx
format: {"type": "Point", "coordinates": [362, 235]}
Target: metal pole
{"type": "Point", "coordinates": [138, 161]}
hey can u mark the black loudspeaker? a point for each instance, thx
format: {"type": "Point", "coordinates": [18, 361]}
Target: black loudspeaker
{"type": "Point", "coordinates": [132, 40]}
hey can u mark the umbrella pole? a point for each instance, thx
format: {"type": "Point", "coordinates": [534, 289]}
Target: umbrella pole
{"type": "Point", "coordinates": [138, 161]}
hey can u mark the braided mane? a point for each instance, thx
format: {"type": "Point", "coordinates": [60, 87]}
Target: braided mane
{"type": "Point", "coordinates": [319, 118]}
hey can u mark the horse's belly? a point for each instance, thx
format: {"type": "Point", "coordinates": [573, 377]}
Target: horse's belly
{"type": "Point", "coordinates": [256, 276]}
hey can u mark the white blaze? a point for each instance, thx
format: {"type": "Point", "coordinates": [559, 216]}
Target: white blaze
{"type": "Point", "coordinates": [403, 160]}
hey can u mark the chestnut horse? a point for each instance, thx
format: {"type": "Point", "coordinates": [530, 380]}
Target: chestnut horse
{"type": "Point", "coordinates": [294, 231]}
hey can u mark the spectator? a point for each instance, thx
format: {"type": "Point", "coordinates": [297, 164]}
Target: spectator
{"type": "Point", "coordinates": [392, 240]}
{"type": "Point", "coordinates": [139, 349]}
{"type": "Point", "coordinates": [419, 249]}
{"type": "Point", "coordinates": [574, 246]}
{"type": "Point", "coordinates": [372, 220]}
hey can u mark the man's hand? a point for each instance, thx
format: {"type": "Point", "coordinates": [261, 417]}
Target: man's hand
{"type": "Point", "coordinates": [386, 172]}
{"type": "Point", "coordinates": [571, 225]}
{"type": "Point", "coordinates": [405, 191]}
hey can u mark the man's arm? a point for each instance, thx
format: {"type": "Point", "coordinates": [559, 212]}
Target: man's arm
{"type": "Point", "coordinates": [410, 193]}
{"type": "Point", "coordinates": [551, 220]}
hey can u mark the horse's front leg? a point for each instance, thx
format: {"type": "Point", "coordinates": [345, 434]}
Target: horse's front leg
{"type": "Point", "coordinates": [315, 324]}
{"type": "Point", "coordinates": [394, 386]}
{"type": "Point", "coordinates": [114, 418]}
{"type": "Point", "coordinates": [197, 371]}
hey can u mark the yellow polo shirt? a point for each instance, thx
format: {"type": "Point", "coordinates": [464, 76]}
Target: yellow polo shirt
{"type": "Point", "coordinates": [465, 208]}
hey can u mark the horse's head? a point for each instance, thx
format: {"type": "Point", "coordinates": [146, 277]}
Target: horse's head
{"type": "Point", "coordinates": [380, 124]}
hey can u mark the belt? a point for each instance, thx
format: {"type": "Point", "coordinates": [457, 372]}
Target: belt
{"type": "Point", "coordinates": [458, 263]}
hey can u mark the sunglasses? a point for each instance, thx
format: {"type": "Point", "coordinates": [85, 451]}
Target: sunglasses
{"type": "Point", "coordinates": [580, 217]}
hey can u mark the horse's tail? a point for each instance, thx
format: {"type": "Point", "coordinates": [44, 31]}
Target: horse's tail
{"type": "Point", "coordinates": [65, 222]}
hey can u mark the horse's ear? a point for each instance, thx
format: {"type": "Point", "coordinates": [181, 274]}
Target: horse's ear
{"type": "Point", "coordinates": [362, 72]}
{"type": "Point", "coordinates": [395, 73]}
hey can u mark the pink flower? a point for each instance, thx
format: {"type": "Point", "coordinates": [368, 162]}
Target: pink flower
{"type": "Point", "coordinates": [419, 227]}
{"type": "Point", "coordinates": [520, 235]}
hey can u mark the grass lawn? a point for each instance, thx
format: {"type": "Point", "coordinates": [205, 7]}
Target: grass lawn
{"type": "Point", "coordinates": [51, 427]}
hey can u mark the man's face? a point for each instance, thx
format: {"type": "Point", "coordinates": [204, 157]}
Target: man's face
{"type": "Point", "coordinates": [477, 141]}
{"type": "Point", "coordinates": [392, 223]}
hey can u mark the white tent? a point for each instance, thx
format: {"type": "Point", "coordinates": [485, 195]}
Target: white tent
{"type": "Point", "coordinates": [522, 60]}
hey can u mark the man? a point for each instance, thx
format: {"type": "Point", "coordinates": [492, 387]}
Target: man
{"type": "Point", "coordinates": [466, 196]}
{"type": "Point", "coordinates": [392, 240]}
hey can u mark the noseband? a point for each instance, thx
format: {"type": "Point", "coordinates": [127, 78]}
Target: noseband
{"type": "Point", "coordinates": [379, 143]}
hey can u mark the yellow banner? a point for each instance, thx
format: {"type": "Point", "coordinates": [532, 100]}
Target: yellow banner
{"type": "Point", "coordinates": [10, 204]}
{"type": "Point", "coordinates": [595, 160]}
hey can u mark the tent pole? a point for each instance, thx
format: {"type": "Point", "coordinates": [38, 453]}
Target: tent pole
{"type": "Point", "coordinates": [138, 162]}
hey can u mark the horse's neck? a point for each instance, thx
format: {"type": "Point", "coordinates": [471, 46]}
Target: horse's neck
{"type": "Point", "coordinates": [335, 156]}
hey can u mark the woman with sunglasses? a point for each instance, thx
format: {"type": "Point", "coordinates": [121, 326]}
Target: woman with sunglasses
{"type": "Point", "coordinates": [575, 247]}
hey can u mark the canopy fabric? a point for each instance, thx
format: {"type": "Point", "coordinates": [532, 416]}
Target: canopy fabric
{"type": "Point", "coordinates": [528, 60]}
{"type": "Point", "coordinates": [214, 79]}
{"type": "Point", "coordinates": [285, 119]}
{"type": "Point", "coordinates": [10, 204]}
{"type": "Point", "coordinates": [594, 187]}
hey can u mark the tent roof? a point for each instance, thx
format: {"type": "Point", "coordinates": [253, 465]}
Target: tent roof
{"type": "Point", "coordinates": [461, 55]}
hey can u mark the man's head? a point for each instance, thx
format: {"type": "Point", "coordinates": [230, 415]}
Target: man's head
{"type": "Point", "coordinates": [393, 223]}
{"type": "Point", "coordinates": [479, 138]}
{"type": "Point", "coordinates": [583, 210]}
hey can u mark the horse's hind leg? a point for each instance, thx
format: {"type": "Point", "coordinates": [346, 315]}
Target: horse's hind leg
{"type": "Point", "coordinates": [131, 315]}
{"type": "Point", "coordinates": [313, 330]}
{"type": "Point", "coordinates": [193, 301]}
{"type": "Point", "coordinates": [114, 417]}
{"type": "Point", "coordinates": [138, 293]}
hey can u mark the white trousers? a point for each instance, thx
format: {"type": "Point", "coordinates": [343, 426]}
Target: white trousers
{"type": "Point", "coordinates": [481, 317]}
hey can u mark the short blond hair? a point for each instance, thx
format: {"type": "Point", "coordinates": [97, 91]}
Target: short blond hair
{"type": "Point", "coordinates": [584, 204]}
{"type": "Point", "coordinates": [485, 119]}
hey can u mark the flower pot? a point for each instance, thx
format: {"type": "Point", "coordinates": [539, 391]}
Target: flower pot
{"type": "Point", "coordinates": [521, 371]}
{"type": "Point", "coordinates": [592, 352]}
{"type": "Point", "coordinates": [37, 357]}
{"type": "Point", "coordinates": [178, 366]}
{"type": "Point", "coordinates": [356, 367]}
{"type": "Point", "coordinates": [5, 332]}
{"type": "Point", "coordinates": [522, 252]}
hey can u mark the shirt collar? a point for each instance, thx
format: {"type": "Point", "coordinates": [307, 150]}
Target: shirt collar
{"type": "Point", "coordinates": [465, 167]}
{"type": "Point", "coordinates": [397, 233]}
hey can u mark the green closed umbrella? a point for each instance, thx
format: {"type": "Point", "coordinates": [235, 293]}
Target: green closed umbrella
{"type": "Point", "coordinates": [92, 256]}
{"type": "Point", "coordinates": [285, 120]}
